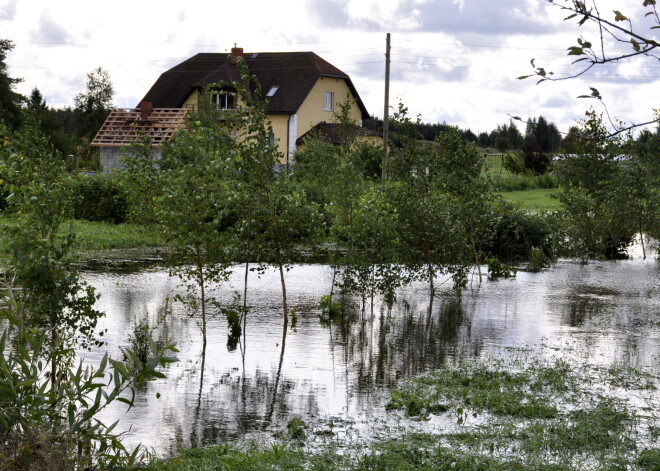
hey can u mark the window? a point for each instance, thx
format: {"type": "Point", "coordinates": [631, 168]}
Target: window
{"type": "Point", "coordinates": [329, 101]}
{"type": "Point", "coordinates": [223, 100]}
{"type": "Point", "coordinates": [273, 90]}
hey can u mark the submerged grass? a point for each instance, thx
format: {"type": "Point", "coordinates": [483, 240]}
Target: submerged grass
{"type": "Point", "coordinates": [518, 415]}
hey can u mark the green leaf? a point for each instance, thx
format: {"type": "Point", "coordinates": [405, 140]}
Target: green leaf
{"type": "Point", "coordinates": [618, 16]}
{"type": "Point", "coordinates": [575, 51]}
{"type": "Point", "coordinates": [635, 44]}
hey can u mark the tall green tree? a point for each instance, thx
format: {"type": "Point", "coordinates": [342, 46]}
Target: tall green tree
{"type": "Point", "coordinates": [52, 295]}
{"type": "Point", "coordinates": [10, 101]}
{"type": "Point", "coordinates": [462, 165]}
{"type": "Point", "coordinates": [427, 223]}
{"type": "Point", "coordinates": [195, 210]}
{"type": "Point", "coordinates": [92, 106]}
{"type": "Point", "coordinates": [595, 204]}
{"type": "Point", "coordinates": [50, 124]}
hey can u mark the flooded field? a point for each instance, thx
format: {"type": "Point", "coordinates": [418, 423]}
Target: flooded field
{"type": "Point", "coordinates": [339, 373]}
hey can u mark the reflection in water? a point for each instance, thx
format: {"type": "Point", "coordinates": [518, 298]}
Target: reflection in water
{"type": "Point", "coordinates": [339, 369]}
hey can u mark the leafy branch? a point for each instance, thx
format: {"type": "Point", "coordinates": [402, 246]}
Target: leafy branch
{"type": "Point", "coordinates": [618, 29]}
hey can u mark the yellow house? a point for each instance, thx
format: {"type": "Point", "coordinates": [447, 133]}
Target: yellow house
{"type": "Point", "coordinates": [300, 88]}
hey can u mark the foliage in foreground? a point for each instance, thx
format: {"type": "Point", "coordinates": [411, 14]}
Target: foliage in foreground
{"type": "Point", "coordinates": [49, 407]}
{"type": "Point", "coordinates": [51, 422]}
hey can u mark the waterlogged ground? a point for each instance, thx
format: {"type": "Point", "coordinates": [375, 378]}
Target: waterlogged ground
{"type": "Point", "coordinates": [521, 363]}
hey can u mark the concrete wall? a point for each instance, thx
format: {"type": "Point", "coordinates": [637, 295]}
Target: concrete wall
{"type": "Point", "coordinates": [111, 157]}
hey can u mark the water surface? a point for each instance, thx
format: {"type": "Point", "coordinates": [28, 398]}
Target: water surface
{"type": "Point", "coordinates": [339, 372]}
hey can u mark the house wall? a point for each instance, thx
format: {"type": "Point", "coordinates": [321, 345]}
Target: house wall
{"type": "Point", "coordinates": [376, 141]}
{"type": "Point", "coordinates": [193, 100]}
{"type": "Point", "coordinates": [280, 123]}
{"type": "Point", "coordinates": [311, 112]}
{"type": "Point", "coordinates": [111, 157]}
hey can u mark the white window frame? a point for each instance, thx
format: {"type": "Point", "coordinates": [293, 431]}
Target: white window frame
{"type": "Point", "coordinates": [223, 100]}
{"type": "Point", "coordinates": [329, 101]}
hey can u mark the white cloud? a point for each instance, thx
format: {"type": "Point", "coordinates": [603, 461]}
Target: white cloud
{"type": "Point", "coordinates": [454, 60]}
{"type": "Point", "coordinates": [8, 10]}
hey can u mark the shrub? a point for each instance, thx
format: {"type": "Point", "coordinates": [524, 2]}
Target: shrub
{"type": "Point", "coordinates": [513, 163]}
{"type": "Point", "coordinates": [535, 159]}
{"type": "Point", "coordinates": [99, 198]}
{"type": "Point", "coordinates": [497, 269]}
{"type": "Point", "coordinates": [518, 233]}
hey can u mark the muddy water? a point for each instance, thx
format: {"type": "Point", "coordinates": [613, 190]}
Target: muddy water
{"type": "Point", "coordinates": [339, 372]}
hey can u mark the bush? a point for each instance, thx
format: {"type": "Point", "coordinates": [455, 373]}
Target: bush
{"type": "Point", "coordinates": [514, 164]}
{"type": "Point", "coordinates": [517, 234]}
{"type": "Point", "coordinates": [99, 198]}
{"type": "Point", "coordinates": [535, 159]}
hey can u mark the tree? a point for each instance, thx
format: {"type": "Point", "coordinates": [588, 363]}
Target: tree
{"type": "Point", "coordinates": [10, 101]}
{"type": "Point", "coordinates": [596, 207]}
{"type": "Point", "coordinates": [52, 295]}
{"type": "Point", "coordinates": [93, 105]}
{"type": "Point", "coordinates": [483, 140]}
{"type": "Point", "coordinates": [428, 225]}
{"type": "Point", "coordinates": [612, 29]}
{"type": "Point", "coordinates": [194, 209]}
{"type": "Point", "coordinates": [462, 166]}
{"type": "Point", "coordinates": [49, 409]}
{"type": "Point", "coordinates": [541, 134]}
{"type": "Point", "coordinates": [49, 123]}
{"type": "Point", "coordinates": [502, 143]}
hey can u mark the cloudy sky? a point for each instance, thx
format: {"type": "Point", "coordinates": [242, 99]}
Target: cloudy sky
{"type": "Point", "coordinates": [452, 60]}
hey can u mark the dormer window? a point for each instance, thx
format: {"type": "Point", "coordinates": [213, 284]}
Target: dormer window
{"type": "Point", "coordinates": [273, 90]}
{"type": "Point", "coordinates": [329, 99]}
{"type": "Point", "coordinates": [223, 100]}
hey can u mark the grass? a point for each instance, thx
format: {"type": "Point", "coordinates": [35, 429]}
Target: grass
{"type": "Point", "coordinates": [494, 167]}
{"type": "Point", "coordinates": [515, 415]}
{"type": "Point", "coordinates": [92, 236]}
{"type": "Point", "coordinates": [101, 236]}
{"type": "Point", "coordinates": [539, 199]}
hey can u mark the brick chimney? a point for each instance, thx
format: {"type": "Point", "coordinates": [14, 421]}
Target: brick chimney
{"type": "Point", "coordinates": [146, 107]}
{"type": "Point", "coordinates": [235, 53]}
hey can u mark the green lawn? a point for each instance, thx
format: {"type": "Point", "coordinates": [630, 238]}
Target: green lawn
{"type": "Point", "coordinates": [94, 236]}
{"type": "Point", "coordinates": [534, 200]}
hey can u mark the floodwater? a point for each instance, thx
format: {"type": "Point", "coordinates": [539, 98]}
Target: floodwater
{"type": "Point", "coordinates": [339, 373]}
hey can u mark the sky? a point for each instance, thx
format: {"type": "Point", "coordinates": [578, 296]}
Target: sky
{"type": "Point", "coordinates": [453, 61]}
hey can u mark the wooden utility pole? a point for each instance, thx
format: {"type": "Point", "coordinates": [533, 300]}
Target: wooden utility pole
{"type": "Point", "coordinates": [386, 112]}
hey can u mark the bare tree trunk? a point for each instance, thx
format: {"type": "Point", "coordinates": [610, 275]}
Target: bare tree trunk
{"type": "Point", "coordinates": [200, 272]}
{"type": "Point", "coordinates": [641, 240]}
{"type": "Point", "coordinates": [476, 260]}
{"type": "Point", "coordinates": [247, 269]}
{"type": "Point", "coordinates": [284, 306]}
